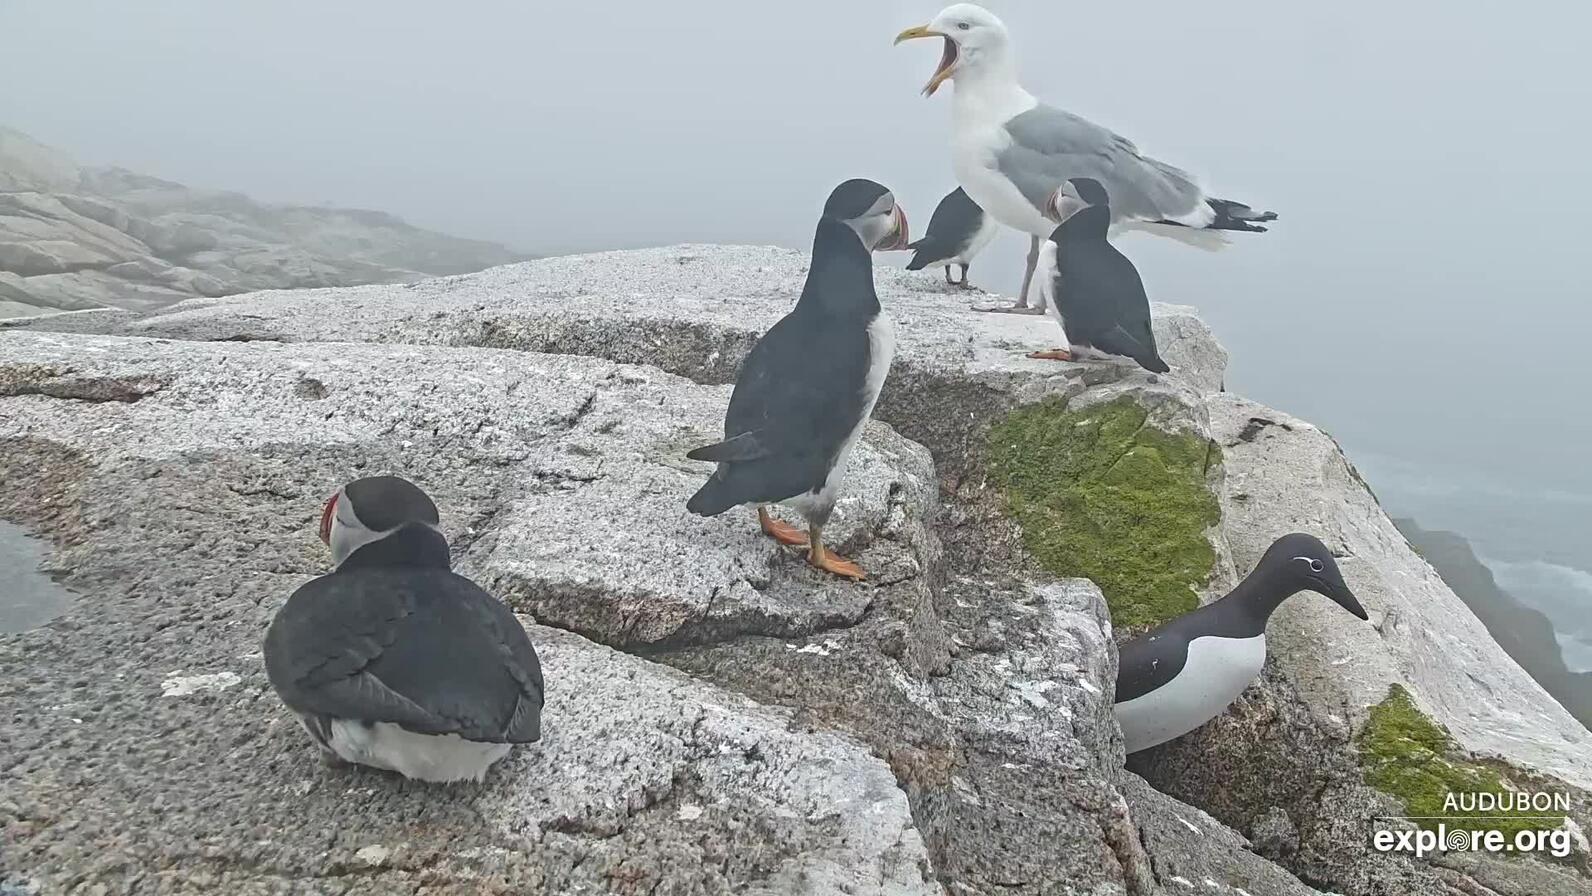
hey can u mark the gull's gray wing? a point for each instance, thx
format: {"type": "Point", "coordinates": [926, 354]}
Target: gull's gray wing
{"type": "Point", "coordinates": [1048, 146]}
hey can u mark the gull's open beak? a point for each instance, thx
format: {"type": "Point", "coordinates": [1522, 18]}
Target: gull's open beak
{"type": "Point", "coordinates": [947, 60]}
{"type": "Point", "coordinates": [898, 237]}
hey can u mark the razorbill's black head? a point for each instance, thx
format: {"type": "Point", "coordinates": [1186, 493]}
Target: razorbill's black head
{"type": "Point", "coordinates": [1175, 678]}
{"type": "Point", "coordinates": [1092, 290]}
{"type": "Point", "coordinates": [395, 662]}
{"type": "Point", "coordinates": [870, 209]}
{"type": "Point", "coordinates": [958, 230]}
{"type": "Point", "coordinates": [807, 388]}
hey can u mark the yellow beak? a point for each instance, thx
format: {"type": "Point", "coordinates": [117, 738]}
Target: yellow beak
{"type": "Point", "coordinates": [916, 32]}
{"type": "Point", "coordinates": [947, 60]}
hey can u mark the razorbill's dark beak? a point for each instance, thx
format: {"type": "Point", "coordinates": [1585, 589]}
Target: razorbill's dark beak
{"type": "Point", "coordinates": [947, 59]}
{"type": "Point", "coordinates": [898, 237]}
{"type": "Point", "coordinates": [328, 514]}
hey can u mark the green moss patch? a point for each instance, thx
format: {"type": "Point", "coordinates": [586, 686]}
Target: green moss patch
{"type": "Point", "coordinates": [1413, 759]}
{"type": "Point", "coordinates": [1101, 494]}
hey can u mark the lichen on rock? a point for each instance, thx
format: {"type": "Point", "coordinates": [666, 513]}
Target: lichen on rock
{"type": "Point", "coordinates": [1103, 494]}
{"type": "Point", "coordinates": [1414, 760]}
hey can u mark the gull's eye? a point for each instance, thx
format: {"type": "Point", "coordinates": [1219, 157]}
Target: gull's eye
{"type": "Point", "coordinates": [962, 26]}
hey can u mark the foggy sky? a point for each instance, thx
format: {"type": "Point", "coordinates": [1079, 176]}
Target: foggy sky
{"type": "Point", "coordinates": [1424, 295]}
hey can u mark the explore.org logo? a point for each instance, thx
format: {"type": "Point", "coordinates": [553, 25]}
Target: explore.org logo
{"type": "Point", "coordinates": [1522, 823]}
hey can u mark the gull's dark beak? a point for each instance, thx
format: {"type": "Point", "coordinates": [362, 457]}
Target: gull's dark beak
{"type": "Point", "coordinates": [947, 59]}
{"type": "Point", "coordinates": [898, 237]}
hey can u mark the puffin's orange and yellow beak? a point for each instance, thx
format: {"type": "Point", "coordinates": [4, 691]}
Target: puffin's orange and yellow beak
{"type": "Point", "coordinates": [947, 59]}
{"type": "Point", "coordinates": [328, 513]}
{"type": "Point", "coordinates": [898, 237]}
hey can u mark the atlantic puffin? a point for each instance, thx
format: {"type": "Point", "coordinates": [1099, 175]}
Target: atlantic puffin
{"type": "Point", "coordinates": [394, 661]}
{"type": "Point", "coordinates": [808, 386]}
{"type": "Point", "coordinates": [1092, 290]}
{"type": "Point", "coordinates": [958, 230]}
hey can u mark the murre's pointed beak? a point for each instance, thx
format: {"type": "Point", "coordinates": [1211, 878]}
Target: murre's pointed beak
{"type": "Point", "coordinates": [898, 237]}
{"type": "Point", "coordinates": [1333, 586]}
{"type": "Point", "coordinates": [947, 59]}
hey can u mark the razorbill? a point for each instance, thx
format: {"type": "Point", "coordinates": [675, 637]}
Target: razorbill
{"type": "Point", "coordinates": [958, 230]}
{"type": "Point", "coordinates": [394, 661]}
{"type": "Point", "coordinates": [808, 386]}
{"type": "Point", "coordinates": [1175, 678]}
{"type": "Point", "coordinates": [1093, 291]}
{"type": "Point", "coordinates": [1011, 152]}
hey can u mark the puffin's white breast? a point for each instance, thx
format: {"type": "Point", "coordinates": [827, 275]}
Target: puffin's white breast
{"type": "Point", "coordinates": [1045, 278]}
{"type": "Point", "coordinates": [881, 351]}
{"type": "Point", "coordinates": [1216, 672]}
{"type": "Point", "coordinates": [439, 758]}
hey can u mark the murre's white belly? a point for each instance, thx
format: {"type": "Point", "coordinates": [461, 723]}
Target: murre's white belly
{"type": "Point", "coordinates": [1216, 672]}
{"type": "Point", "coordinates": [881, 350]}
{"type": "Point", "coordinates": [438, 758]}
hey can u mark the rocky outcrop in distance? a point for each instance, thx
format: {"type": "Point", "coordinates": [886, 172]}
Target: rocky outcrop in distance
{"type": "Point", "coordinates": [75, 238]}
{"type": "Point", "coordinates": [1526, 634]}
{"type": "Point", "coordinates": [721, 718]}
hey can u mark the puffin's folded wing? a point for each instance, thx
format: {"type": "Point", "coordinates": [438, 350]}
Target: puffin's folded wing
{"type": "Point", "coordinates": [744, 447]}
{"type": "Point", "coordinates": [514, 651]}
{"type": "Point", "coordinates": [799, 397]}
{"type": "Point", "coordinates": [424, 649]}
{"type": "Point", "coordinates": [1049, 146]}
{"type": "Point", "coordinates": [321, 645]}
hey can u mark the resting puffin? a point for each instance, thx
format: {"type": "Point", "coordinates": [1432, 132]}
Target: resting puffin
{"type": "Point", "coordinates": [392, 660]}
{"type": "Point", "coordinates": [1175, 678]}
{"type": "Point", "coordinates": [809, 385]}
{"type": "Point", "coordinates": [1093, 290]}
{"type": "Point", "coordinates": [958, 230]}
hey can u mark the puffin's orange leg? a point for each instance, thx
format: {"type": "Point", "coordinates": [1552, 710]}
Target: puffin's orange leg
{"type": "Point", "coordinates": [784, 533]}
{"type": "Point", "coordinates": [1055, 354]}
{"type": "Point", "coordinates": [832, 563]}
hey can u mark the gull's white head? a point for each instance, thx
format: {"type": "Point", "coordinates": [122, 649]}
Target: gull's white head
{"type": "Point", "coordinates": [974, 39]}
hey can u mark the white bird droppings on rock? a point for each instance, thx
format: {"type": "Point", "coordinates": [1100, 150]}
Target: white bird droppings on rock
{"type": "Point", "coordinates": [375, 854]}
{"type": "Point", "coordinates": [177, 685]}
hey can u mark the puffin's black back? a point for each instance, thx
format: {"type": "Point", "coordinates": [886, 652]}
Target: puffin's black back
{"type": "Point", "coordinates": [954, 222]}
{"type": "Point", "coordinates": [1098, 290]}
{"type": "Point", "coordinates": [800, 391]}
{"type": "Point", "coordinates": [422, 648]}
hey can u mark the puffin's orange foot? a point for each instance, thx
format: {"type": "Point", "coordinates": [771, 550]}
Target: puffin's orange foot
{"type": "Point", "coordinates": [833, 563]}
{"type": "Point", "coordinates": [1055, 354]}
{"type": "Point", "coordinates": [784, 533]}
